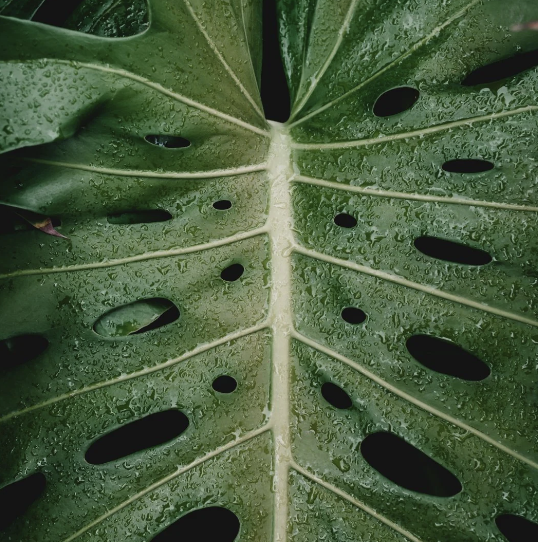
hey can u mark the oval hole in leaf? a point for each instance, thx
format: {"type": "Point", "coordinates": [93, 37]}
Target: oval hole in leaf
{"type": "Point", "coordinates": [148, 432]}
{"type": "Point", "coordinates": [140, 217]}
{"type": "Point", "coordinates": [336, 396]}
{"type": "Point", "coordinates": [507, 67]}
{"type": "Point", "coordinates": [20, 349]}
{"type": "Point", "coordinates": [222, 204]}
{"type": "Point", "coordinates": [213, 523]}
{"type": "Point", "coordinates": [447, 358]}
{"type": "Point", "coordinates": [407, 466]}
{"type": "Point", "coordinates": [18, 496]}
{"type": "Point", "coordinates": [468, 165]}
{"type": "Point", "coordinates": [232, 273]}
{"type": "Point", "coordinates": [168, 141]}
{"type": "Point", "coordinates": [138, 317]}
{"type": "Point", "coordinates": [449, 251]}
{"type": "Point", "coordinates": [352, 315]}
{"type": "Point", "coordinates": [396, 100]}
{"type": "Point", "coordinates": [345, 221]}
{"type": "Point", "coordinates": [225, 384]}
{"type": "Point", "coordinates": [517, 528]}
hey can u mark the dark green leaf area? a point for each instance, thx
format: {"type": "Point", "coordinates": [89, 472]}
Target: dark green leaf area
{"type": "Point", "coordinates": [395, 313]}
{"type": "Point", "coordinates": [386, 234]}
{"type": "Point", "coordinates": [215, 420]}
{"type": "Point", "coordinates": [327, 444]}
{"type": "Point", "coordinates": [324, 515]}
{"type": "Point", "coordinates": [20, 349]}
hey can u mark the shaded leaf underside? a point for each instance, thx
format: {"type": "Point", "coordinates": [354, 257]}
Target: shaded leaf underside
{"type": "Point", "coordinates": [76, 111]}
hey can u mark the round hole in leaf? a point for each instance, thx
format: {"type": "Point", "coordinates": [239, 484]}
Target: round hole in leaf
{"type": "Point", "coordinates": [336, 396]}
{"type": "Point", "coordinates": [352, 315]}
{"type": "Point", "coordinates": [345, 221]}
{"type": "Point", "coordinates": [396, 100]}
{"type": "Point", "coordinates": [15, 498]}
{"type": "Point", "coordinates": [213, 523]}
{"type": "Point", "coordinates": [147, 432]}
{"type": "Point", "coordinates": [450, 251]}
{"type": "Point", "coordinates": [517, 528]}
{"type": "Point", "coordinates": [222, 204]}
{"type": "Point", "coordinates": [232, 273]}
{"type": "Point", "coordinates": [447, 358]}
{"type": "Point", "coordinates": [168, 141]}
{"type": "Point", "coordinates": [139, 217]}
{"type": "Point", "coordinates": [225, 384]}
{"type": "Point", "coordinates": [407, 466]}
{"type": "Point", "coordinates": [137, 317]}
{"type": "Point", "coordinates": [468, 165]}
{"type": "Point", "coordinates": [20, 349]}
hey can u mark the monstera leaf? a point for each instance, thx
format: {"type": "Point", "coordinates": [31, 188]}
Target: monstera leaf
{"type": "Point", "coordinates": [246, 330]}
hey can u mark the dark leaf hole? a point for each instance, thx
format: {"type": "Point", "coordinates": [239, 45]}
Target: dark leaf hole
{"type": "Point", "coordinates": [12, 222]}
{"type": "Point", "coordinates": [232, 273]}
{"type": "Point", "coordinates": [211, 524]}
{"type": "Point", "coordinates": [222, 204]}
{"type": "Point", "coordinates": [468, 165]}
{"type": "Point", "coordinates": [396, 100]}
{"type": "Point", "coordinates": [153, 430]}
{"type": "Point", "coordinates": [225, 384]}
{"type": "Point", "coordinates": [447, 358]}
{"type": "Point", "coordinates": [168, 141]}
{"type": "Point", "coordinates": [507, 67]}
{"type": "Point", "coordinates": [352, 315]}
{"type": "Point", "coordinates": [345, 221]}
{"type": "Point", "coordinates": [274, 92]}
{"type": "Point", "coordinates": [140, 217]}
{"type": "Point", "coordinates": [442, 249]}
{"type": "Point", "coordinates": [517, 528]}
{"type": "Point", "coordinates": [335, 396]}
{"type": "Point", "coordinates": [407, 466]}
{"type": "Point", "coordinates": [138, 317]}
{"type": "Point", "coordinates": [18, 496]}
{"type": "Point", "coordinates": [20, 349]}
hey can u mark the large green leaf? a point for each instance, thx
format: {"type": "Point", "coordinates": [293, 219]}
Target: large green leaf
{"type": "Point", "coordinates": [204, 241]}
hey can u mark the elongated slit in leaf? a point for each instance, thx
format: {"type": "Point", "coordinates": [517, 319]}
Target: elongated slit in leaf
{"type": "Point", "coordinates": [21, 349]}
{"type": "Point", "coordinates": [168, 141]}
{"type": "Point", "coordinates": [517, 528]}
{"type": "Point", "coordinates": [467, 165]}
{"type": "Point", "coordinates": [213, 523]}
{"type": "Point", "coordinates": [447, 358]}
{"type": "Point", "coordinates": [140, 217]}
{"type": "Point", "coordinates": [450, 251]}
{"type": "Point", "coordinates": [138, 317]}
{"type": "Point", "coordinates": [16, 497]}
{"type": "Point", "coordinates": [148, 432]}
{"type": "Point", "coordinates": [407, 466]}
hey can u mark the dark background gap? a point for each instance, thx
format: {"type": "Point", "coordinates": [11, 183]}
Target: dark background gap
{"type": "Point", "coordinates": [274, 92]}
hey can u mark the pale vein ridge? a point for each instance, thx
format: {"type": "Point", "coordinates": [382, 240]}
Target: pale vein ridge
{"type": "Point", "coordinates": [181, 470]}
{"type": "Point", "coordinates": [415, 285]}
{"type": "Point", "coordinates": [416, 133]}
{"type": "Point", "coordinates": [141, 257]}
{"type": "Point", "coordinates": [405, 195]}
{"type": "Point", "coordinates": [230, 172]}
{"type": "Point", "coordinates": [148, 370]}
{"type": "Point", "coordinates": [174, 95]}
{"type": "Point", "coordinates": [396, 61]}
{"type": "Point", "coordinates": [340, 37]}
{"type": "Point", "coordinates": [280, 227]}
{"type": "Point", "coordinates": [227, 67]}
{"type": "Point", "coordinates": [354, 501]}
{"type": "Point", "coordinates": [407, 397]}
